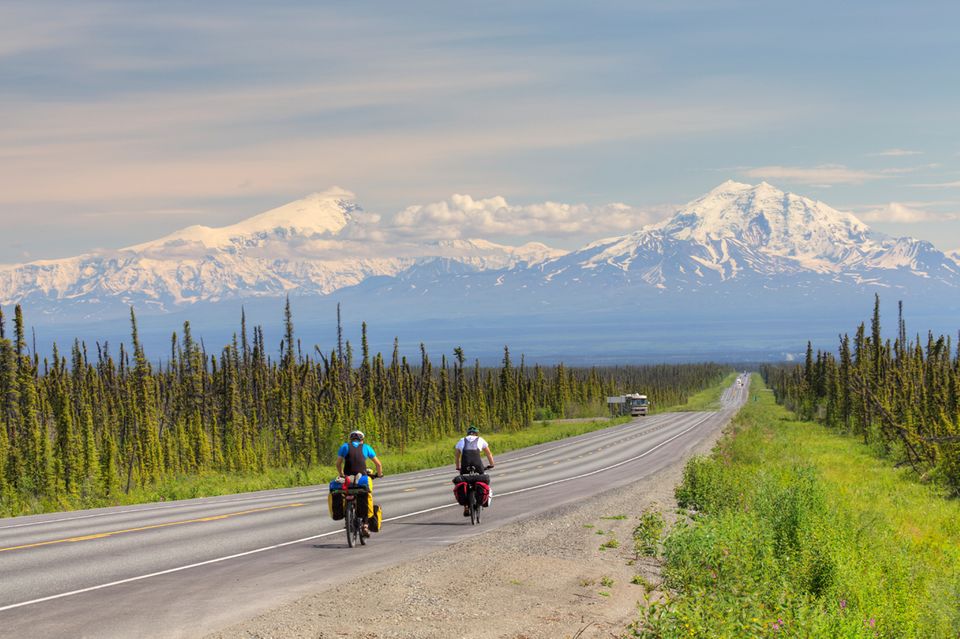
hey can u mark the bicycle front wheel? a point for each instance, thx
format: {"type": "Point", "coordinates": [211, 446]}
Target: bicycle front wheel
{"type": "Point", "coordinates": [350, 522]}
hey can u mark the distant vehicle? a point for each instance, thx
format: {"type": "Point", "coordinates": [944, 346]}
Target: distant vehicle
{"type": "Point", "coordinates": [633, 404]}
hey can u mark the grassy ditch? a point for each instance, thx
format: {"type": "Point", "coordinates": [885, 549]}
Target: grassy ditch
{"type": "Point", "coordinates": [794, 531]}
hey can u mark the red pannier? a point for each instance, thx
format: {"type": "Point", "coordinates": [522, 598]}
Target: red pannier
{"type": "Point", "coordinates": [460, 490]}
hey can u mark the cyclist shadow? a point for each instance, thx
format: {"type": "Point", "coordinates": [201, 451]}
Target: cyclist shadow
{"type": "Point", "coordinates": [429, 523]}
{"type": "Point", "coordinates": [333, 545]}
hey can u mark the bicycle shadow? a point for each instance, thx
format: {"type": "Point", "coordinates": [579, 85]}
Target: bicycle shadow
{"type": "Point", "coordinates": [430, 523]}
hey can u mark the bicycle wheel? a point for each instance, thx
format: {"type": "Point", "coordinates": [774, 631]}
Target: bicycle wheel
{"type": "Point", "coordinates": [474, 513]}
{"type": "Point", "coordinates": [350, 522]}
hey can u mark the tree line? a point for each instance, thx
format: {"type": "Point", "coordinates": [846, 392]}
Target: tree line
{"type": "Point", "coordinates": [88, 424]}
{"type": "Point", "coordinates": [900, 396]}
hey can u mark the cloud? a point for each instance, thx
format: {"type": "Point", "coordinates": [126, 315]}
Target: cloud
{"type": "Point", "coordinates": [904, 213]}
{"type": "Point", "coordinates": [939, 185]}
{"type": "Point", "coordinates": [824, 174]}
{"type": "Point", "coordinates": [462, 216]}
{"type": "Point", "coordinates": [894, 153]}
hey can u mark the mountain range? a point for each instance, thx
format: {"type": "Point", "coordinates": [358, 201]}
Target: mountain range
{"type": "Point", "coordinates": [750, 252]}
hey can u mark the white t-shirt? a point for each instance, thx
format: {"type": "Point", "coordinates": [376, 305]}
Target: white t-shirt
{"type": "Point", "coordinates": [472, 442]}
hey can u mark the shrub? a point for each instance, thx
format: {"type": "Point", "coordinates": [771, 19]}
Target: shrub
{"type": "Point", "coordinates": [646, 535]}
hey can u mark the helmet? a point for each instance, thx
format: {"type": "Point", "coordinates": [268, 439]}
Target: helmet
{"type": "Point", "coordinates": [473, 430]}
{"type": "Point", "coordinates": [356, 435]}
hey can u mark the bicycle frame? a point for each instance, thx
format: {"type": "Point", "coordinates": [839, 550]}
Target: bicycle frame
{"type": "Point", "coordinates": [353, 521]}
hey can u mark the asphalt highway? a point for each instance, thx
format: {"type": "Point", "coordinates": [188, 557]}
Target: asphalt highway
{"type": "Point", "coordinates": [186, 568]}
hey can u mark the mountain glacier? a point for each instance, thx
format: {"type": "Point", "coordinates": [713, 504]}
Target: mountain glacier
{"type": "Point", "coordinates": [313, 246]}
{"type": "Point", "coordinates": [739, 251]}
{"type": "Point", "coordinates": [742, 233]}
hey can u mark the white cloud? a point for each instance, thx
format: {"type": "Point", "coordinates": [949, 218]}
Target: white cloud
{"type": "Point", "coordinates": [904, 213]}
{"type": "Point", "coordinates": [939, 185]}
{"type": "Point", "coordinates": [462, 216]}
{"type": "Point", "coordinates": [894, 153]}
{"type": "Point", "coordinates": [824, 174]}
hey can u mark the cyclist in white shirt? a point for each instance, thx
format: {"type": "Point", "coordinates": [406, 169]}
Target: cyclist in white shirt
{"type": "Point", "coordinates": [468, 449]}
{"type": "Point", "coordinates": [467, 455]}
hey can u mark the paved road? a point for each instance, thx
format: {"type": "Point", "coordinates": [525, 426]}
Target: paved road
{"type": "Point", "coordinates": [182, 569]}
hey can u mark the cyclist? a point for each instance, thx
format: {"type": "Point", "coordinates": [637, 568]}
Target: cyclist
{"type": "Point", "coordinates": [467, 455]}
{"type": "Point", "coordinates": [352, 461]}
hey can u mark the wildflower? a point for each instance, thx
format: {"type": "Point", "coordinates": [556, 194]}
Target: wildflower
{"type": "Point", "coordinates": [843, 604]}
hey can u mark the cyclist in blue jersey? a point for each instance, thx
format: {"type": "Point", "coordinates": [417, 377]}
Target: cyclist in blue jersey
{"type": "Point", "coordinates": [353, 455]}
{"type": "Point", "coordinates": [352, 462]}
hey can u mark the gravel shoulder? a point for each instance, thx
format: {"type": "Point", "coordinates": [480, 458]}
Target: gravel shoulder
{"type": "Point", "coordinates": [546, 577]}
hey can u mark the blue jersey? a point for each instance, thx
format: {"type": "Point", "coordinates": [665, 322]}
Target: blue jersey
{"type": "Point", "coordinates": [345, 449]}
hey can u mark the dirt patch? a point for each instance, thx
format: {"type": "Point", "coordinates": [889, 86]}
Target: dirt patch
{"type": "Point", "coordinates": [552, 576]}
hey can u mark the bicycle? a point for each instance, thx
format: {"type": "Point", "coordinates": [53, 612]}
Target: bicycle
{"type": "Point", "coordinates": [473, 500]}
{"type": "Point", "coordinates": [352, 520]}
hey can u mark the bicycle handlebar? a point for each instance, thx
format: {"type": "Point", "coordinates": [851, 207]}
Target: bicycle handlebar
{"type": "Point", "coordinates": [473, 469]}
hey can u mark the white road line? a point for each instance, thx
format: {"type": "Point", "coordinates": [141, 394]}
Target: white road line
{"type": "Point", "coordinates": [327, 534]}
{"type": "Point", "coordinates": [165, 572]}
{"type": "Point", "coordinates": [600, 470]}
{"type": "Point", "coordinates": [587, 437]}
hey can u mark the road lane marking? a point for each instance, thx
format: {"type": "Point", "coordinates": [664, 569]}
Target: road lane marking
{"type": "Point", "coordinates": [409, 490]}
{"type": "Point", "coordinates": [704, 418]}
{"type": "Point", "coordinates": [111, 533]}
{"type": "Point", "coordinates": [168, 571]}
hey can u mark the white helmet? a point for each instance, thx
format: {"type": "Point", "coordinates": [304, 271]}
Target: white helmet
{"type": "Point", "coordinates": [356, 435]}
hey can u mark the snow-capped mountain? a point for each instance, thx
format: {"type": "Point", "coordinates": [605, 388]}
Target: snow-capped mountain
{"type": "Point", "coordinates": [316, 245]}
{"type": "Point", "coordinates": [786, 262]}
{"type": "Point", "coordinates": [739, 234]}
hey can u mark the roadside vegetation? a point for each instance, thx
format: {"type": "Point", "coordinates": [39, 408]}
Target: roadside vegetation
{"type": "Point", "coordinates": [706, 399]}
{"type": "Point", "coordinates": [790, 530]}
{"type": "Point", "coordinates": [900, 397]}
{"type": "Point", "coordinates": [100, 426]}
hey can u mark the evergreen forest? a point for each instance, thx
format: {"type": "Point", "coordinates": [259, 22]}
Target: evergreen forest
{"type": "Point", "coordinates": [902, 397]}
{"type": "Point", "coordinates": [82, 427]}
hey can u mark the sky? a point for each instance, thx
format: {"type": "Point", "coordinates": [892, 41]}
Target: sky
{"type": "Point", "coordinates": [125, 121]}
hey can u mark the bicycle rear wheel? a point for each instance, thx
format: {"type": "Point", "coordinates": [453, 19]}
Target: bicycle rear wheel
{"type": "Point", "coordinates": [350, 522]}
{"type": "Point", "coordinates": [474, 512]}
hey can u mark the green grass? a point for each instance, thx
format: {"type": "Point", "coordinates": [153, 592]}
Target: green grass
{"type": "Point", "coordinates": [646, 535]}
{"type": "Point", "coordinates": [707, 399]}
{"type": "Point", "coordinates": [610, 543]}
{"type": "Point", "coordinates": [800, 532]}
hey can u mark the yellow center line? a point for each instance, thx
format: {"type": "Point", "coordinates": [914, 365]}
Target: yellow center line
{"type": "Point", "coordinates": [151, 527]}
